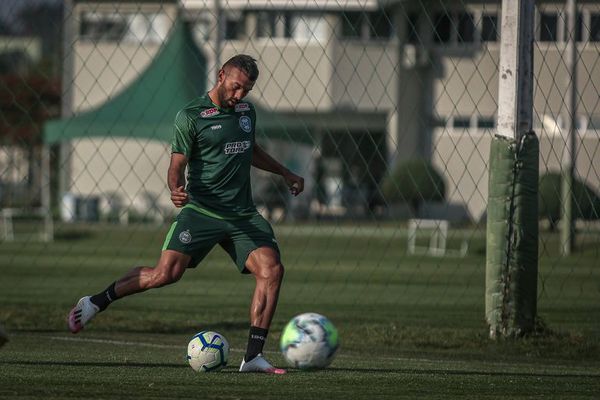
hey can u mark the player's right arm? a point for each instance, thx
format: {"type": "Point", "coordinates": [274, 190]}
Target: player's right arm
{"type": "Point", "coordinates": [181, 146]}
{"type": "Point", "coordinates": [176, 179]}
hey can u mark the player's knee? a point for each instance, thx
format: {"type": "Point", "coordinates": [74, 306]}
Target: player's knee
{"type": "Point", "coordinates": [272, 271]}
{"type": "Point", "coordinates": [165, 275]}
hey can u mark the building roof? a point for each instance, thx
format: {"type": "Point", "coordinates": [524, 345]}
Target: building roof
{"type": "Point", "coordinates": [147, 107]}
{"type": "Point", "coordinates": [301, 5]}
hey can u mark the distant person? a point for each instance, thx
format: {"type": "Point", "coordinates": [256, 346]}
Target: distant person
{"type": "Point", "coordinates": [214, 137]}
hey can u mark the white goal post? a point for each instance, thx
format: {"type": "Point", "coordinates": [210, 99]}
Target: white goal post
{"type": "Point", "coordinates": [436, 230]}
{"type": "Point", "coordinates": [7, 233]}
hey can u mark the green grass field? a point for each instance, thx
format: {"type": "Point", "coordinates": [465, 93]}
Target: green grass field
{"type": "Point", "coordinates": [410, 326]}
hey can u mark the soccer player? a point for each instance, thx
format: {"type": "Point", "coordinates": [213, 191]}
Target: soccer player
{"type": "Point", "coordinates": [214, 137]}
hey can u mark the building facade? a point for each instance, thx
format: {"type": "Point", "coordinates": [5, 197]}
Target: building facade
{"type": "Point", "coordinates": [375, 83]}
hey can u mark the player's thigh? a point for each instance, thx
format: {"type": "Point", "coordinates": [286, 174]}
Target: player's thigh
{"type": "Point", "coordinates": [194, 234]}
{"type": "Point", "coordinates": [246, 236]}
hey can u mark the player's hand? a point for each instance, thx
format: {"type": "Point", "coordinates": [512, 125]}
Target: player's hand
{"type": "Point", "coordinates": [295, 183]}
{"type": "Point", "coordinates": [179, 197]}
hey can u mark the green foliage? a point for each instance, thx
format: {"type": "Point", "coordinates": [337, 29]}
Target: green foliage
{"type": "Point", "coordinates": [413, 182]}
{"type": "Point", "coordinates": [25, 104]}
{"type": "Point", "coordinates": [586, 203]}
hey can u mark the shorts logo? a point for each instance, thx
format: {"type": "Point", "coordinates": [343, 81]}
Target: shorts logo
{"type": "Point", "coordinates": [246, 124]}
{"type": "Point", "coordinates": [215, 127]}
{"type": "Point", "coordinates": [239, 107]}
{"type": "Point", "coordinates": [210, 112]}
{"type": "Point", "coordinates": [185, 237]}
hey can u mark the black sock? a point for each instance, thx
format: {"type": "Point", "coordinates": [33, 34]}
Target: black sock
{"type": "Point", "coordinates": [256, 341]}
{"type": "Point", "coordinates": [104, 298]}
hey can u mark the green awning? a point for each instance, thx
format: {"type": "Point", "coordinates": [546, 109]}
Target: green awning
{"type": "Point", "coordinates": [147, 107]}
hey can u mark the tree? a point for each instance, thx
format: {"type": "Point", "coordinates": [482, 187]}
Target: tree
{"type": "Point", "coordinates": [25, 104]}
{"type": "Point", "coordinates": [586, 202]}
{"type": "Point", "coordinates": [413, 182]}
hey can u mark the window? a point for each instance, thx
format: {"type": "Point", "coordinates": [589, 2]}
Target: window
{"type": "Point", "coordinates": [462, 122]}
{"type": "Point", "coordinates": [380, 25]}
{"type": "Point", "coordinates": [265, 24]}
{"type": "Point", "coordinates": [202, 26]}
{"type": "Point", "coordinates": [489, 28]}
{"type": "Point", "coordinates": [103, 27]}
{"type": "Point", "coordinates": [372, 25]}
{"type": "Point", "coordinates": [128, 27]}
{"type": "Point", "coordinates": [466, 28]}
{"type": "Point", "coordinates": [456, 27]}
{"type": "Point", "coordinates": [548, 27]}
{"type": "Point", "coordinates": [310, 27]}
{"type": "Point", "coordinates": [593, 123]}
{"type": "Point", "coordinates": [486, 122]}
{"type": "Point", "coordinates": [578, 26]}
{"type": "Point", "coordinates": [412, 28]}
{"type": "Point", "coordinates": [352, 24]}
{"type": "Point", "coordinates": [594, 28]}
{"type": "Point", "coordinates": [235, 25]}
{"type": "Point", "coordinates": [442, 28]}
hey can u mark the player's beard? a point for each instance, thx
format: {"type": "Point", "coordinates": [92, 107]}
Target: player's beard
{"type": "Point", "coordinates": [224, 100]}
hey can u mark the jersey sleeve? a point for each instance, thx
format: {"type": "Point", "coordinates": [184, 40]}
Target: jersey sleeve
{"type": "Point", "coordinates": [183, 134]}
{"type": "Point", "coordinates": [254, 121]}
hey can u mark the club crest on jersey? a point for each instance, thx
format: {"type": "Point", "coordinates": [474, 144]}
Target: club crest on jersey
{"type": "Point", "coordinates": [246, 124]}
{"type": "Point", "coordinates": [185, 237]}
{"type": "Point", "coordinates": [239, 107]}
{"type": "Point", "coordinates": [209, 112]}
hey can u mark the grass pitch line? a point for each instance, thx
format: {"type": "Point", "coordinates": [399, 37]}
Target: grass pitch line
{"type": "Point", "coordinates": [172, 346]}
{"type": "Point", "coordinates": [460, 364]}
{"type": "Point", "coordinates": [128, 343]}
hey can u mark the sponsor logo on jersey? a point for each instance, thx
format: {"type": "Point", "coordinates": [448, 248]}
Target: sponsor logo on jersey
{"type": "Point", "coordinates": [239, 107]}
{"type": "Point", "coordinates": [185, 237]}
{"type": "Point", "coordinates": [237, 147]}
{"type": "Point", "coordinates": [211, 112]}
{"type": "Point", "coordinates": [215, 127]}
{"type": "Point", "coordinates": [246, 124]}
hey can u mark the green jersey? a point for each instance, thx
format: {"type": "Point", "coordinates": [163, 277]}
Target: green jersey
{"type": "Point", "coordinates": [218, 144]}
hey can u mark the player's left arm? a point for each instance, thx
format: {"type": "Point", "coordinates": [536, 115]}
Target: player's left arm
{"type": "Point", "coordinates": [262, 160]}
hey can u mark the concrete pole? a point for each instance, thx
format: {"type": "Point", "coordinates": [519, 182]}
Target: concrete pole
{"type": "Point", "coordinates": [48, 234]}
{"type": "Point", "coordinates": [515, 97]}
{"type": "Point", "coordinates": [220, 33]}
{"type": "Point", "coordinates": [567, 232]}
{"type": "Point", "coordinates": [66, 110]}
{"type": "Point", "coordinates": [512, 221]}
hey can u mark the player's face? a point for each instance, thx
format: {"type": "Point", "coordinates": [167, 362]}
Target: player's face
{"type": "Point", "coordinates": [234, 85]}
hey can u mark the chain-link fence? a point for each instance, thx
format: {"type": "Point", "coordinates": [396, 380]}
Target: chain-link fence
{"type": "Point", "coordinates": [387, 108]}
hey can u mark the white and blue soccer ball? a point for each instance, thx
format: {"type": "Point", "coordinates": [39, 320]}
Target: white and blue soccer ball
{"type": "Point", "coordinates": [309, 341]}
{"type": "Point", "coordinates": [208, 351]}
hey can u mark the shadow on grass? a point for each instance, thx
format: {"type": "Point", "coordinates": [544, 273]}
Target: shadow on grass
{"type": "Point", "coordinates": [96, 364]}
{"type": "Point", "coordinates": [72, 235]}
{"type": "Point", "coordinates": [233, 369]}
{"type": "Point", "coordinates": [441, 372]}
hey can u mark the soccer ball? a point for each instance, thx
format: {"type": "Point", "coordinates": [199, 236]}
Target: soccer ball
{"type": "Point", "coordinates": [309, 341]}
{"type": "Point", "coordinates": [208, 351]}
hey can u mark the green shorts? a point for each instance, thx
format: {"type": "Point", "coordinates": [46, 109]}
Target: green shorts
{"type": "Point", "coordinates": [195, 234]}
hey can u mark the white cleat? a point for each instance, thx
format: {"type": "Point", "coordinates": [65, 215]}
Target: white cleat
{"type": "Point", "coordinates": [81, 314]}
{"type": "Point", "coordinates": [259, 364]}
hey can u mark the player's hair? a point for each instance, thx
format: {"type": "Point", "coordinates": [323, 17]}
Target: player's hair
{"type": "Point", "coordinates": [244, 63]}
